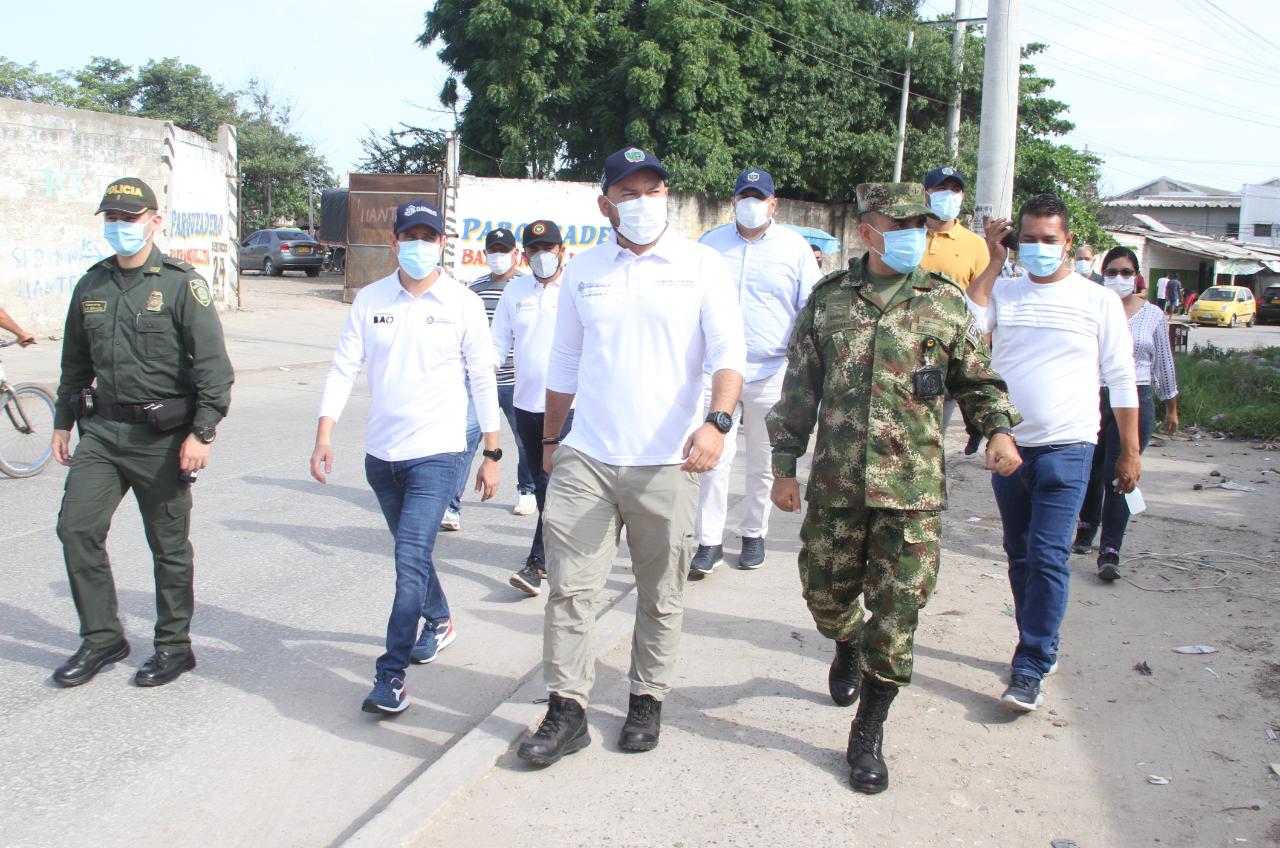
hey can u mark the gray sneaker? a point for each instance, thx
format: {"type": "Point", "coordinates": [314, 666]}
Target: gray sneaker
{"type": "Point", "coordinates": [752, 555]}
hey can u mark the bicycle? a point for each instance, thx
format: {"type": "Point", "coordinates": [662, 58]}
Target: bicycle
{"type": "Point", "coordinates": [26, 426]}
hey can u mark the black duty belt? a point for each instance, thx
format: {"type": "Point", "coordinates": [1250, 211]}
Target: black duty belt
{"type": "Point", "coordinates": [133, 413]}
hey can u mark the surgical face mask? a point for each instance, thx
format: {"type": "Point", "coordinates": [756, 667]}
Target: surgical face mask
{"type": "Point", "coordinates": [642, 220]}
{"type": "Point", "coordinates": [125, 237]}
{"type": "Point", "coordinates": [1040, 260]}
{"type": "Point", "coordinates": [544, 264]}
{"type": "Point", "coordinates": [946, 204]}
{"type": "Point", "coordinates": [500, 263]}
{"type": "Point", "coordinates": [752, 212]}
{"type": "Point", "coordinates": [1084, 267]}
{"type": "Point", "coordinates": [1123, 286]}
{"type": "Point", "coordinates": [419, 258]}
{"type": "Point", "coordinates": [903, 249]}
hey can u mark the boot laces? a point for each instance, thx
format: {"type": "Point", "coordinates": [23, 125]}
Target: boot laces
{"type": "Point", "coordinates": [644, 709]}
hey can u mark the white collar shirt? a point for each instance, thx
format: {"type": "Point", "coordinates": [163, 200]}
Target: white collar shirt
{"type": "Point", "coordinates": [525, 318]}
{"type": "Point", "coordinates": [417, 350]}
{"type": "Point", "coordinates": [773, 275]}
{"type": "Point", "coordinates": [632, 335]}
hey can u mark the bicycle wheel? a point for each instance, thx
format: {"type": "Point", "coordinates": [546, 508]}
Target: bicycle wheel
{"type": "Point", "coordinates": [26, 428]}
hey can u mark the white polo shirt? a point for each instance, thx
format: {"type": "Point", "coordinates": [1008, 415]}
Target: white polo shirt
{"type": "Point", "coordinates": [525, 317]}
{"type": "Point", "coordinates": [1050, 343]}
{"type": "Point", "coordinates": [632, 335]}
{"type": "Point", "coordinates": [418, 350]}
{"type": "Point", "coordinates": [773, 276]}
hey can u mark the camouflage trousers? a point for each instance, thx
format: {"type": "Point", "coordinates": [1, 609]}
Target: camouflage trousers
{"type": "Point", "coordinates": [889, 557]}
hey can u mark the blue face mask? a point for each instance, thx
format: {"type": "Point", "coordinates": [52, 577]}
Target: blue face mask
{"type": "Point", "coordinates": [125, 237]}
{"type": "Point", "coordinates": [1040, 260]}
{"type": "Point", "coordinates": [946, 204]}
{"type": "Point", "coordinates": [903, 249]}
{"type": "Point", "coordinates": [419, 258]}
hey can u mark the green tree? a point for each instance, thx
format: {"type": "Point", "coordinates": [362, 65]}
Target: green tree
{"type": "Point", "coordinates": [28, 82]}
{"type": "Point", "coordinates": [408, 150]}
{"type": "Point", "coordinates": [168, 90]}
{"type": "Point", "coordinates": [106, 85]}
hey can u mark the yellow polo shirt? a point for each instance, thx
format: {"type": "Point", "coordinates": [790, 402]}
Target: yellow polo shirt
{"type": "Point", "coordinates": [959, 253]}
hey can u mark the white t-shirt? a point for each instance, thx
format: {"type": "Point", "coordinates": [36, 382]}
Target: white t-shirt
{"type": "Point", "coordinates": [1050, 343]}
{"type": "Point", "coordinates": [525, 318]}
{"type": "Point", "coordinates": [632, 335]}
{"type": "Point", "coordinates": [1162, 288]}
{"type": "Point", "coordinates": [418, 351]}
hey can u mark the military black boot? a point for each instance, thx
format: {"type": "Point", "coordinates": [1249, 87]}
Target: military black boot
{"type": "Point", "coordinates": [563, 731]}
{"type": "Point", "coordinates": [846, 674]}
{"type": "Point", "coordinates": [643, 724]}
{"type": "Point", "coordinates": [868, 771]}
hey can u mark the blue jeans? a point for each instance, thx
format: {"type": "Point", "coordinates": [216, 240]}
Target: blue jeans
{"type": "Point", "coordinates": [524, 476]}
{"type": "Point", "coordinates": [1102, 503]}
{"type": "Point", "coordinates": [413, 494]}
{"type": "Point", "coordinates": [1038, 506]}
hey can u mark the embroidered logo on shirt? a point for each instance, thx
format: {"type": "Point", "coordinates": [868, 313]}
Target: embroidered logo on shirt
{"type": "Point", "coordinates": [200, 291]}
{"type": "Point", "coordinates": [155, 302]}
{"type": "Point", "coordinates": [432, 319]}
{"type": "Point", "coordinates": [90, 306]}
{"type": "Point", "coordinates": [384, 318]}
{"type": "Point", "coordinates": [682, 283]}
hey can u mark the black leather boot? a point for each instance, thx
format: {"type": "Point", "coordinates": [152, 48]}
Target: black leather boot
{"type": "Point", "coordinates": [846, 673]}
{"type": "Point", "coordinates": [164, 667]}
{"type": "Point", "coordinates": [644, 722]}
{"type": "Point", "coordinates": [87, 662]}
{"type": "Point", "coordinates": [563, 731]}
{"type": "Point", "coordinates": [868, 771]}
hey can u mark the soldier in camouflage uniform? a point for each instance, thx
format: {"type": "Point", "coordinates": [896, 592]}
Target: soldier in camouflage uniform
{"type": "Point", "coordinates": [868, 361]}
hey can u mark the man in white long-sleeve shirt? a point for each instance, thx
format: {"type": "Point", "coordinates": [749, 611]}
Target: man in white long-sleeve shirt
{"type": "Point", "coordinates": [1054, 333]}
{"type": "Point", "coordinates": [419, 331]}
{"type": "Point", "coordinates": [638, 317]}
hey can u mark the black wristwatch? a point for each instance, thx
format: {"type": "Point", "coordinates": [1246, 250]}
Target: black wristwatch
{"type": "Point", "coordinates": [722, 421]}
{"type": "Point", "coordinates": [495, 455]}
{"type": "Point", "coordinates": [1007, 431]}
{"type": "Point", "coordinates": [205, 434]}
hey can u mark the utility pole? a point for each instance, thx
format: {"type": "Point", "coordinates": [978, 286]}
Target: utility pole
{"type": "Point", "coordinates": [902, 111]}
{"type": "Point", "coordinates": [957, 62]}
{"type": "Point", "coordinates": [998, 131]}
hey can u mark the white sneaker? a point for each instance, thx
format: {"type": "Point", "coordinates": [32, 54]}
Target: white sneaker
{"type": "Point", "coordinates": [451, 521]}
{"type": "Point", "coordinates": [527, 505]}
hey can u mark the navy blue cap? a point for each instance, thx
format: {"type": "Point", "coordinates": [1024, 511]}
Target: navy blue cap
{"type": "Point", "coordinates": [625, 162]}
{"type": "Point", "coordinates": [937, 175]}
{"type": "Point", "coordinates": [754, 178]}
{"type": "Point", "coordinates": [418, 213]}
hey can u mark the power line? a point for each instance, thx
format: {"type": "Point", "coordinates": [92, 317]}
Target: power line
{"type": "Point", "coordinates": [1242, 27]}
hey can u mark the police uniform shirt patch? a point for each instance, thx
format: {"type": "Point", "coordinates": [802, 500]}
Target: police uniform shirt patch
{"type": "Point", "coordinates": [200, 291]}
{"type": "Point", "coordinates": [155, 302]}
{"type": "Point", "coordinates": [91, 306]}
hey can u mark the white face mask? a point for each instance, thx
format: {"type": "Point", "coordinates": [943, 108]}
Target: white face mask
{"type": "Point", "coordinates": [946, 204]}
{"type": "Point", "coordinates": [1123, 286]}
{"type": "Point", "coordinates": [544, 264]}
{"type": "Point", "coordinates": [752, 212]}
{"type": "Point", "coordinates": [1084, 267]}
{"type": "Point", "coordinates": [641, 221]}
{"type": "Point", "coordinates": [500, 263]}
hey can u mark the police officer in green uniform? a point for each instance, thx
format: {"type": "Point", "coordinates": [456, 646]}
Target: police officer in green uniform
{"type": "Point", "coordinates": [146, 376]}
{"type": "Point", "coordinates": [870, 356]}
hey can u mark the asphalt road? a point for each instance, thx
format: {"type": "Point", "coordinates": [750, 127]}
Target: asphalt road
{"type": "Point", "coordinates": [264, 743]}
{"type": "Point", "coordinates": [1237, 338]}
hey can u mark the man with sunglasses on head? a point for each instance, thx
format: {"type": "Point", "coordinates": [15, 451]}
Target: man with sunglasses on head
{"type": "Point", "coordinates": [146, 374]}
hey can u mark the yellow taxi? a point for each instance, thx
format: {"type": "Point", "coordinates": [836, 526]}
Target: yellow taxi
{"type": "Point", "coordinates": [1225, 306]}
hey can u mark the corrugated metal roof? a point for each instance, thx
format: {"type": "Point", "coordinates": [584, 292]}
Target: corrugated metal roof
{"type": "Point", "coordinates": [1190, 203]}
{"type": "Point", "coordinates": [1228, 252]}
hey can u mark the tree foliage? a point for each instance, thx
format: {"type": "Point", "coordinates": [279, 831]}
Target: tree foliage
{"type": "Point", "coordinates": [407, 150]}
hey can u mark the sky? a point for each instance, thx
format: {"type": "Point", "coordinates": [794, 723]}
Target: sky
{"type": "Point", "coordinates": [1178, 88]}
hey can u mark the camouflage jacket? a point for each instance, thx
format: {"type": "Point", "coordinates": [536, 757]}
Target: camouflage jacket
{"type": "Point", "coordinates": [850, 370]}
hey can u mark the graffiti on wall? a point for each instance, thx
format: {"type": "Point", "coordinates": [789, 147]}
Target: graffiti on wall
{"type": "Point", "coordinates": [50, 270]}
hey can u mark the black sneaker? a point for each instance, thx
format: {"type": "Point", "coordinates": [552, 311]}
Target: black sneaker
{"type": "Point", "coordinates": [644, 722]}
{"type": "Point", "coordinates": [529, 579]}
{"type": "Point", "coordinates": [1023, 694]}
{"type": "Point", "coordinates": [705, 560]}
{"type": "Point", "coordinates": [1084, 538]}
{"type": "Point", "coordinates": [752, 555]}
{"type": "Point", "coordinates": [563, 731]}
{"type": "Point", "coordinates": [1109, 564]}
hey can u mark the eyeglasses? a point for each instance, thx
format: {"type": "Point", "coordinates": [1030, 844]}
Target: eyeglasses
{"type": "Point", "coordinates": [1123, 272]}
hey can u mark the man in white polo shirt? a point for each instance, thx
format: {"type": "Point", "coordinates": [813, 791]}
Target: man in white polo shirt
{"type": "Point", "coordinates": [639, 315]}
{"type": "Point", "coordinates": [524, 319]}
{"type": "Point", "coordinates": [773, 269]}
{"type": "Point", "coordinates": [419, 332]}
{"type": "Point", "coordinates": [1054, 333]}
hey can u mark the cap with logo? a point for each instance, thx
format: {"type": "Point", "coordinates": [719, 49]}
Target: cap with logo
{"type": "Point", "coordinates": [128, 194]}
{"type": "Point", "coordinates": [754, 178]}
{"type": "Point", "coordinates": [939, 175]}
{"type": "Point", "coordinates": [542, 232]}
{"type": "Point", "coordinates": [625, 162]}
{"type": "Point", "coordinates": [895, 200]}
{"type": "Point", "coordinates": [501, 240]}
{"type": "Point", "coordinates": [418, 213]}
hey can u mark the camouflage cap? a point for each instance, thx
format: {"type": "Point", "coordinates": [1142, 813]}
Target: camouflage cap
{"type": "Point", "coordinates": [896, 200]}
{"type": "Point", "coordinates": [128, 194]}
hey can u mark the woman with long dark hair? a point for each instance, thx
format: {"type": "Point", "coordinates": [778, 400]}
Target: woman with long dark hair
{"type": "Point", "coordinates": [1103, 506]}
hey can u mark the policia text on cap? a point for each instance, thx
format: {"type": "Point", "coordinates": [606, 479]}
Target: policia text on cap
{"type": "Point", "coordinates": [145, 373]}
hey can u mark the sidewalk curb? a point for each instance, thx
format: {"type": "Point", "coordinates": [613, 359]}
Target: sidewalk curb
{"type": "Point", "coordinates": [408, 817]}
